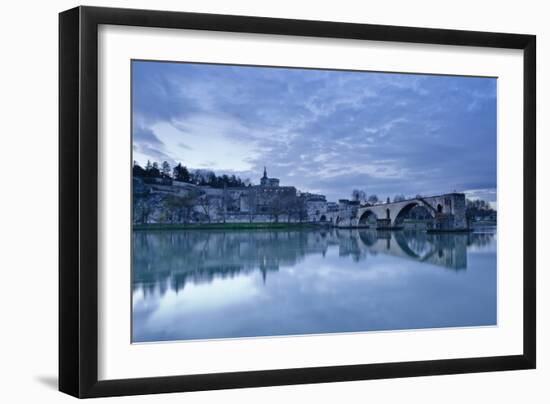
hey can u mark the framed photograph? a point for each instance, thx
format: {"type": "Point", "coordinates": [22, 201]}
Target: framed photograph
{"type": "Point", "coordinates": [250, 201]}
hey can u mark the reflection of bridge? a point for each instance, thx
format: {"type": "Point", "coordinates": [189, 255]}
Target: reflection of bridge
{"type": "Point", "coordinates": [448, 213]}
{"type": "Point", "coordinates": [171, 259]}
{"type": "Point", "coordinates": [446, 250]}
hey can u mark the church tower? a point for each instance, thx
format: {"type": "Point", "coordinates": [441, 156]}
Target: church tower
{"type": "Point", "coordinates": [265, 181]}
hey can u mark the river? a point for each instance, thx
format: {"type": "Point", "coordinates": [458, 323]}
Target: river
{"type": "Point", "coordinates": [207, 284]}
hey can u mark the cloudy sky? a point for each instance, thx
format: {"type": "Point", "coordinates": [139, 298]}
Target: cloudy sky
{"type": "Point", "coordinates": [322, 131]}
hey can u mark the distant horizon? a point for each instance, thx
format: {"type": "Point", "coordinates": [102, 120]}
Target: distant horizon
{"type": "Point", "coordinates": [321, 131]}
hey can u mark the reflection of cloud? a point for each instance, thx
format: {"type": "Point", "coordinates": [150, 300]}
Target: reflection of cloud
{"type": "Point", "coordinates": [208, 257]}
{"type": "Point", "coordinates": [326, 282]}
{"type": "Point", "coordinates": [220, 293]}
{"type": "Point", "coordinates": [322, 130]}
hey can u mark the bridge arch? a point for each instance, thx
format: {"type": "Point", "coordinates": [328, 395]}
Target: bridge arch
{"type": "Point", "coordinates": [405, 210]}
{"type": "Point", "coordinates": [368, 217]}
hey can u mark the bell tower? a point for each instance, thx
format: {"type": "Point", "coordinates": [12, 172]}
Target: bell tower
{"type": "Point", "coordinates": [265, 181]}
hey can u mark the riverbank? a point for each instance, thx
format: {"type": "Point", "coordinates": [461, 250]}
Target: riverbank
{"type": "Point", "coordinates": [484, 223]}
{"type": "Point", "coordinates": [220, 226]}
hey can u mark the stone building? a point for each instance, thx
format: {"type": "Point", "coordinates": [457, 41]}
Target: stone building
{"type": "Point", "coordinates": [267, 202]}
{"type": "Point", "coordinates": [265, 181]}
{"type": "Point", "coordinates": [316, 206]}
{"type": "Point", "coordinates": [162, 200]}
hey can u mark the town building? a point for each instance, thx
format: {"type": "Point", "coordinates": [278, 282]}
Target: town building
{"type": "Point", "coordinates": [162, 200]}
{"type": "Point", "coordinates": [266, 202]}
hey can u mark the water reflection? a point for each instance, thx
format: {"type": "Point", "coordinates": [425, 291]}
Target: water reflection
{"type": "Point", "coordinates": [201, 256]}
{"type": "Point", "coordinates": [237, 283]}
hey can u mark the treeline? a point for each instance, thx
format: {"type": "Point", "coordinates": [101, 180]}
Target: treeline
{"type": "Point", "coordinates": [479, 208]}
{"type": "Point", "coordinates": [373, 199]}
{"type": "Point", "coordinates": [180, 173]}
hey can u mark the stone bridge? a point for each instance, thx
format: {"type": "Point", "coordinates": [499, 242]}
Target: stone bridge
{"type": "Point", "coordinates": [448, 213]}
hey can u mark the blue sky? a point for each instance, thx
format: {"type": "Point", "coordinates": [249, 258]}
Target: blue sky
{"type": "Point", "coordinates": [322, 131]}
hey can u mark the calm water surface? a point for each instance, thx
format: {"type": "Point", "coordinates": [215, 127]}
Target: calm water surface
{"type": "Point", "coordinates": [200, 284]}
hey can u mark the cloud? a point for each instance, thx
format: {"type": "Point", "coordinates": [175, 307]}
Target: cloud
{"type": "Point", "coordinates": [184, 146]}
{"type": "Point", "coordinates": [487, 194]}
{"type": "Point", "coordinates": [145, 136]}
{"type": "Point", "coordinates": [151, 153]}
{"type": "Point", "coordinates": [318, 129]}
{"type": "Point", "coordinates": [147, 145]}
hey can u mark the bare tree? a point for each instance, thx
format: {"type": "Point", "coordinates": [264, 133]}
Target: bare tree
{"type": "Point", "coordinates": [179, 207]}
{"type": "Point", "coordinates": [142, 210]}
{"type": "Point", "coordinates": [358, 195]}
{"type": "Point", "coordinates": [299, 208]}
{"type": "Point", "coordinates": [280, 204]}
{"type": "Point", "coordinates": [399, 198]}
{"type": "Point", "coordinates": [251, 199]}
{"type": "Point", "coordinates": [165, 170]}
{"type": "Point", "coordinates": [206, 203]}
{"type": "Point", "coordinates": [296, 207]}
{"type": "Point", "coordinates": [276, 208]}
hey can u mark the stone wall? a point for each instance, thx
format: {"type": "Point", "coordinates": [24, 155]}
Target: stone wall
{"type": "Point", "coordinates": [156, 202]}
{"type": "Point", "coordinates": [188, 203]}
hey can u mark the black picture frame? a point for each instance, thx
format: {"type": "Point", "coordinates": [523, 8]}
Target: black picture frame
{"type": "Point", "coordinates": [78, 201]}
